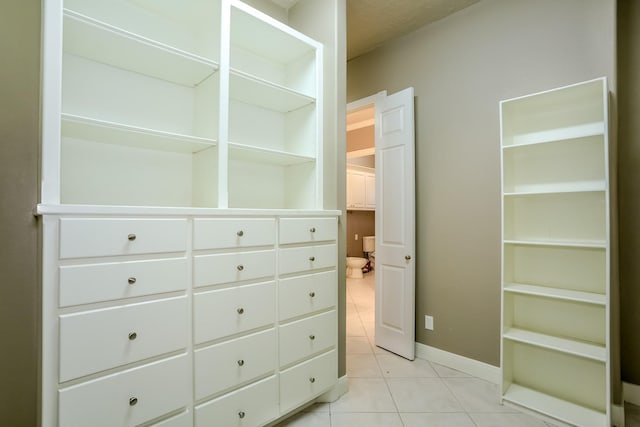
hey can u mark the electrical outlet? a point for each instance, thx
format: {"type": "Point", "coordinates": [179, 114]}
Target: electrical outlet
{"type": "Point", "coordinates": [428, 322]}
{"type": "Point", "coordinates": [356, 237]}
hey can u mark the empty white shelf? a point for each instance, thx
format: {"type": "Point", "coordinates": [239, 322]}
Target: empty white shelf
{"type": "Point", "coordinates": [552, 135]}
{"type": "Point", "coordinates": [120, 134]}
{"type": "Point", "coordinates": [101, 42]}
{"type": "Point", "coordinates": [557, 408]}
{"type": "Point", "coordinates": [569, 187]}
{"type": "Point", "coordinates": [564, 294]}
{"type": "Point", "coordinates": [264, 155]}
{"type": "Point", "coordinates": [574, 244]}
{"type": "Point", "coordinates": [253, 90]}
{"type": "Point", "coordinates": [576, 348]}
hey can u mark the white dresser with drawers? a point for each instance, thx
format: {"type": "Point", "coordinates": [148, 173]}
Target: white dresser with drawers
{"type": "Point", "coordinates": [222, 319]}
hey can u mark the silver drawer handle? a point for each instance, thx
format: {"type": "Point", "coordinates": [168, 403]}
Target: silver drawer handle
{"type": "Point", "coordinates": [240, 362]}
{"type": "Point", "coordinates": [132, 336]}
{"type": "Point", "coordinates": [241, 414]}
{"type": "Point", "coordinates": [312, 337]}
{"type": "Point", "coordinates": [240, 310]}
{"type": "Point", "coordinates": [240, 267]}
{"type": "Point", "coordinates": [133, 401]}
{"type": "Point", "coordinates": [312, 294]}
{"type": "Point", "coordinates": [312, 229]}
{"type": "Point", "coordinates": [240, 233]}
{"type": "Point", "coordinates": [312, 258]}
{"type": "Point", "coordinates": [407, 257]}
{"type": "Point", "coordinates": [131, 280]}
{"type": "Point", "coordinates": [131, 237]}
{"type": "Point", "coordinates": [312, 380]}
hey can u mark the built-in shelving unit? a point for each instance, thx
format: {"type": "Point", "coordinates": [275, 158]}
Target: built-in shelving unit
{"type": "Point", "coordinates": [555, 259]}
{"type": "Point", "coordinates": [159, 107]}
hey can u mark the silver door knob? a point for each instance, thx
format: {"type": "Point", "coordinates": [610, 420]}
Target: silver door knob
{"type": "Point", "coordinates": [240, 310]}
{"type": "Point", "coordinates": [312, 258]}
{"type": "Point", "coordinates": [241, 414]}
{"type": "Point", "coordinates": [132, 336]}
{"type": "Point", "coordinates": [240, 233]}
{"type": "Point", "coordinates": [407, 257]}
{"type": "Point", "coordinates": [240, 362]}
{"type": "Point", "coordinates": [312, 229]}
{"type": "Point", "coordinates": [312, 294]}
{"type": "Point", "coordinates": [240, 267]}
{"type": "Point", "coordinates": [312, 337]}
{"type": "Point", "coordinates": [133, 401]}
{"type": "Point", "coordinates": [312, 380]}
{"type": "Point", "coordinates": [131, 280]}
{"type": "Point", "coordinates": [131, 237]}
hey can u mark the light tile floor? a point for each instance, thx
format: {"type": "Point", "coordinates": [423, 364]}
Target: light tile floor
{"type": "Point", "coordinates": [386, 390]}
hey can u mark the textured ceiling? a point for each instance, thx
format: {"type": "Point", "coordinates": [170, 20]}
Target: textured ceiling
{"type": "Point", "coordinates": [371, 23]}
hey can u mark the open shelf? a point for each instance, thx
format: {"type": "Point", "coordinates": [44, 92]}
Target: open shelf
{"type": "Point", "coordinates": [574, 187]}
{"type": "Point", "coordinates": [555, 135]}
{"type": "Point", "coordinates": [250, 89]}
{"type": "Point", "coordinates": [548, 292]}
{"type": "Point", "coordinates": [596, 244]}
{"type": "Point", "coordinates": [129, 51]}
{"type": "Point", "coordinates": [264, 155]}
{"type": "Point", "coordinates": [120, 134]}
{"type": "Point", "coordinates": [557, 408]}
{"type": "Point", "coordinates": [576, 348]}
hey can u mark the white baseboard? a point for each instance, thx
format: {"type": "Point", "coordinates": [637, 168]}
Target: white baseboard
{"type": "Point", "coordinates": [341, 387]}
{"type": "Point", "coordinates": [464, 364]}
{"type": "Point", "coordinates": [631, 393]}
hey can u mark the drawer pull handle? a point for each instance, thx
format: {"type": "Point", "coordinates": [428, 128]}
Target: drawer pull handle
{"type": "Point", "coordinates": [241, 414]}
{"type": "Point", "coordinates": [131, 237]}
{"type": "Point", "coordinates": [240, 267]}
{"type": "Point", "coordinates": [312, 258]}
{"type": "Point", "coordinates": [312, 380]}
{"type": "Point", "coordinates": [133, 401]}
{"type": "Point", "coordinates": [407, 257]}
{"type": "Point", "coordinates": [240, 362]}
{"type": "Point", "coordinates": [240, 233]}
{"type": "Point", "coordinates": [240, 310]}
{"type": "Point", "coordinates": [312, 294]}
{"type": "Point", "coordinates": [312, 229]}
{"type": "Point", "coordinates": [131, 280]}
{"type": "Point", "coordinates": [312, 337]}
{"type": "Point", "coordinates": [132, 336]}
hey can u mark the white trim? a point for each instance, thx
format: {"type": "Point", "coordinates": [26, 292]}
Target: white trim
{"type": "Point", "coordinates": [631, 393]}
{"type": "Point", "coordinates": [365, 102]}
{"type": "Point", "coordinates": [361, 153]}
{"type": "Point", "coordinates": [341, 387]}
{"type": "Point", "coordinates": [617, 415]}
{"type": "Point", "coordinates": [464, 364]}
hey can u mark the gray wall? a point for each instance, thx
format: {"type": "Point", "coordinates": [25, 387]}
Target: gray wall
{"type": "Point", "coordinates": [19, 259]}
{"type": "Point", "coordinates": [629, 184]}
{"type": "Point", "coordinates": [461, 67]}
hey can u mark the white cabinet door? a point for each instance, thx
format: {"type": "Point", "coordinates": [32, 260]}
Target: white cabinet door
{"type": "Point", "coordinates": [395, 224]}
{"type": "Point", "coordinates": [355, 189]}
{"type": "Point", "coordinates": [370, 191]}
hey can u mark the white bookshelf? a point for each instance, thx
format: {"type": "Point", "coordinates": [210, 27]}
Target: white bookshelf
{"type": "Point", "coordinates": [184, 104]}
{"type": "Point", "coordinates": [555, 259]}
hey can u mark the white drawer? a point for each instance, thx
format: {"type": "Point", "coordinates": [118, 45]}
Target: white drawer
{"type": "Point", "coordinates": [158, 388]}
{"type": "Point", "coordinates": [101, 339]}
{"type": "Point", "coordinates": [293, 260]}
{"type": "Point", "coordinates": [302, 295]}
{"type": "Point", "coordinates": [305, 337]}
{"type": "Point", "coordinates": [230, 311]}
{"type": "Point", "coordinates": [82, 284]}
{"type": "Point", "coordinates": [89, 237]}
{"type": "Point", "coordinates": [184, 419]}
{"type": "Point", "coordinates": [232, 363]}
{"type": "Point", "coordinates": [307, 380]}
{"type": "Point", "coordinates": [214, 233]}
{"type": "Point", "coordinates": [251, 406]}
{"type": "Point", "coordinates": [302, 230]}
{"type": "Point", "coordinates": [233, 267]}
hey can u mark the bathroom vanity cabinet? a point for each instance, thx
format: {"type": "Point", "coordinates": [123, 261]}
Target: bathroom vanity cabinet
{"type": "Point", "coordinates": [189, 268]}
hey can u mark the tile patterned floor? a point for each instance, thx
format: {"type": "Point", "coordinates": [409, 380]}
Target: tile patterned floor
{"type": "Point", "coordinates": [388, 391]}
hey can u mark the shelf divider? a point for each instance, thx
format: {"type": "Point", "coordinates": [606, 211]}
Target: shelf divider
{"type": "Point", "coordinates": [549, 292]}
{"type": "Point", "coordinates": [266, 155]}
{"type": "Point", "coordinates": [553, 135]}
{"type": "Point", "coordinates": [563, 345]}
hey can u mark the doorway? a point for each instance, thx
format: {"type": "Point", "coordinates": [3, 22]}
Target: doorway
{"type": "Point", "coordinates": [380, 151]}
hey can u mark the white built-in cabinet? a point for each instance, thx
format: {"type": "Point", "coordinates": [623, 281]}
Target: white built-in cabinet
{"type": "Point", "coordinates": [556, 254]}
{"type": "Point", "coordinates": [361, 188]}
{"type": "Point", "coordinates": [189, 269]}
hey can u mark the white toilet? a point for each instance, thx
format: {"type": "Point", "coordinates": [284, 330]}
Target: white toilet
{"type": "Point", "coordinates": [355, 264]}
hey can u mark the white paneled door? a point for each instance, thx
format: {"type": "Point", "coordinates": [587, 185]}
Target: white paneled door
{"type": "Point", "coordinates": [395, 223]}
